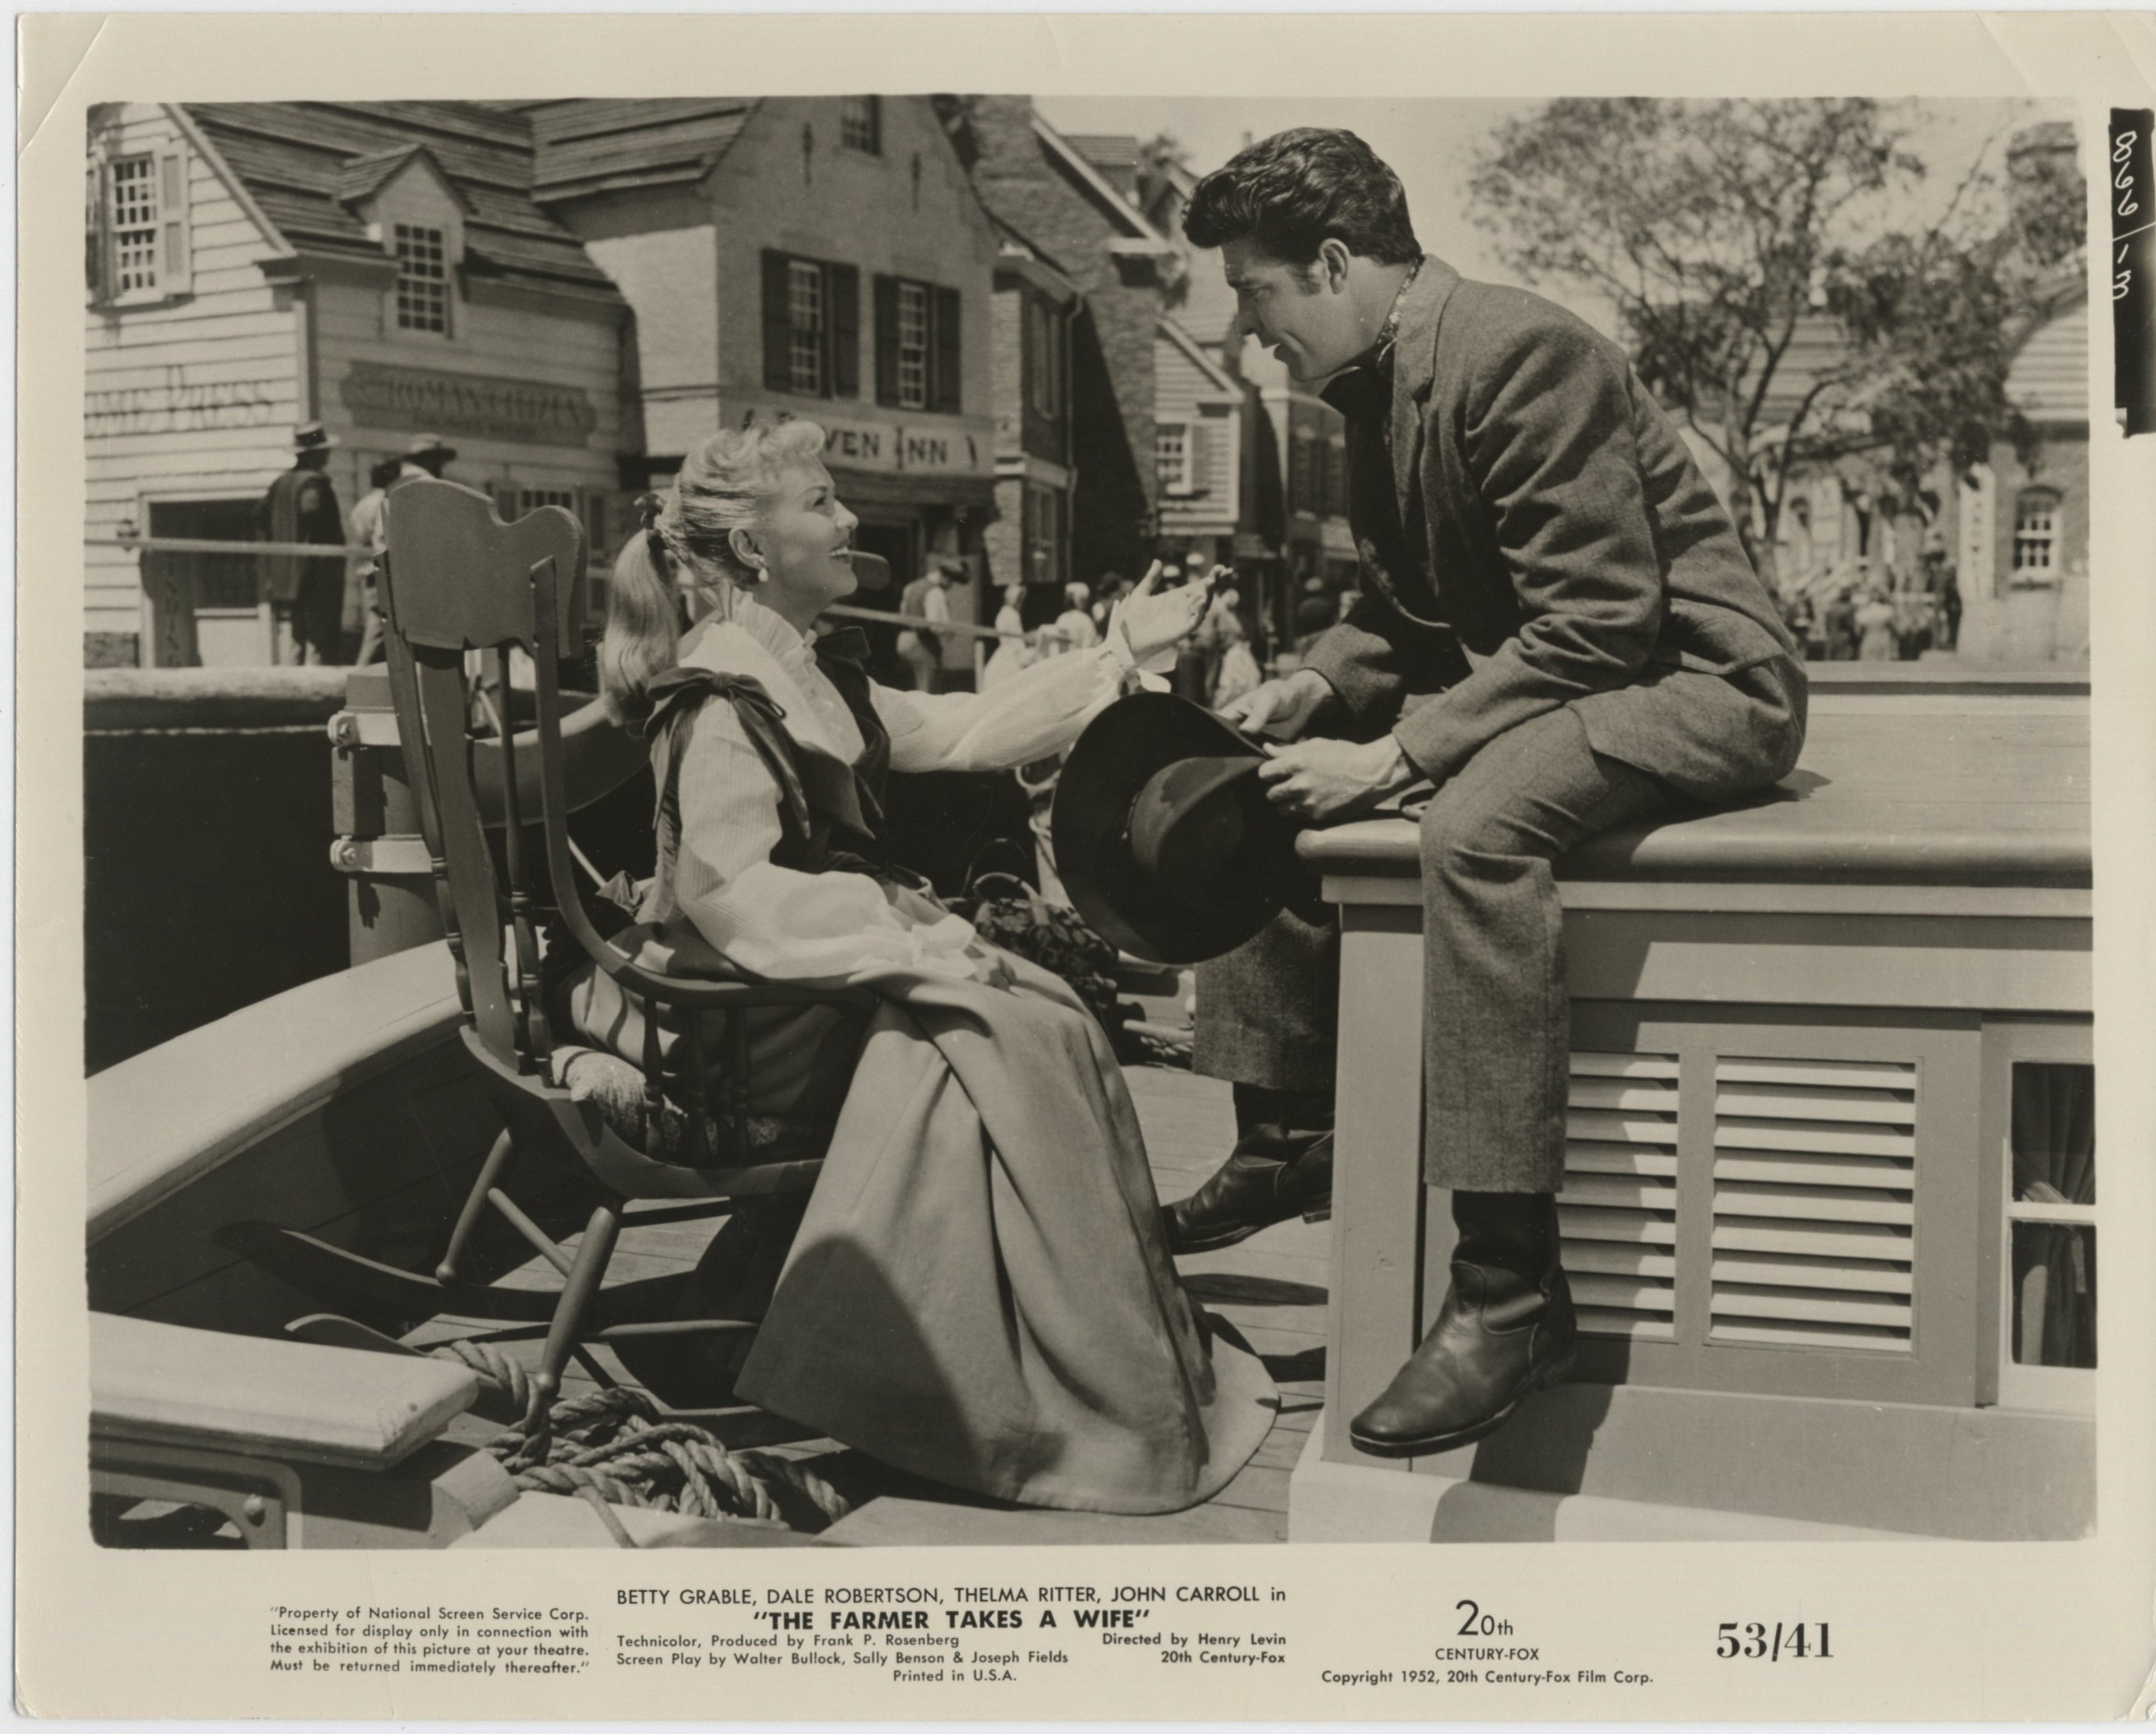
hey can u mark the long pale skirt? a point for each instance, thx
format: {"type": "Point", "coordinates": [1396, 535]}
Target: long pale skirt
{"type": "Point", "coordinates": [980, 1292]}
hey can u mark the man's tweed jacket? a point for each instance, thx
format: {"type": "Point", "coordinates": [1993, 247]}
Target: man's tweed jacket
{"type": "Point", "coordinates": [1538, 535]}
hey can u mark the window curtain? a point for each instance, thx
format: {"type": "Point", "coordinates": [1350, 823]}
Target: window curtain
{"type": "Point", "coordinates": [2053, 1264]}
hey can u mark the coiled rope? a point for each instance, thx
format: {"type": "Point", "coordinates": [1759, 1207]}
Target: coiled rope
{"type": "Point", "coordinates": [615, 1443]}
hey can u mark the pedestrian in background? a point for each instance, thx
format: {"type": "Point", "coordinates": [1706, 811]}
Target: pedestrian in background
{"type": "Point", "coordinates": [302, 506]}
{"type": "Point", "coordinates": [1012, 652]}
{"type": "Point", "coordinates": [1875, 624]}
{"type": "Point", "coordinates": [923, 650]}
{"type": "Point", "coordinates": [1074, 628]}
{"type": "Point", "coordinates": [370, 528]}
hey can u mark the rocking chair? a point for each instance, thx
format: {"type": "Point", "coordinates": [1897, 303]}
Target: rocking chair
{"type": "Point", "coordinates": [457, 581]}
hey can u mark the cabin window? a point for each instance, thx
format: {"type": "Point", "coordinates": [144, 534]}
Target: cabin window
{"type": "Point", "coordinates": [2050, 1214]}
{"type": "Point", "coordinates": [422, 278]}
{"type": "Point", "coordinates": [2036, 534]}
{"type": "Point", "coordinates": [860, 124]}
{"type": "Point", "coordinates": [811, 326]}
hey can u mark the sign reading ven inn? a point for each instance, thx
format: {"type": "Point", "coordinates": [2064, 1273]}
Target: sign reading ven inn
{"type": "Point", "coordinates": [380, 395]}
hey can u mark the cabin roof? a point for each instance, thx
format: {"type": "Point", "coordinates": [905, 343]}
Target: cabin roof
{"type": "Point", "coordinates": [308, 165]}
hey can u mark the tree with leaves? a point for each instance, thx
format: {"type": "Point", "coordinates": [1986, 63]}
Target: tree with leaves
{"type": "Point", "coordinates": [1756, 258]}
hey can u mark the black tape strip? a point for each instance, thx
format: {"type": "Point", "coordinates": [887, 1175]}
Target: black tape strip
{"type": "Point", "coordinates": [2133, 195]}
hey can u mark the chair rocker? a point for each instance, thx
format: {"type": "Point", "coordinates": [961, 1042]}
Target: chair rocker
{"type": "Point", "coordinates": [458, 581]}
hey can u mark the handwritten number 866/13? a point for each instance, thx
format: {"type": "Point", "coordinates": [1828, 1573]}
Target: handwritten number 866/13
{"type": "Point", "coordinates": [1757, 1642]}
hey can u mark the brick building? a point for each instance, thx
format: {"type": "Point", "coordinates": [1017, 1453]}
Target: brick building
{"type": "Point", "coordinates": [818, 257]}
{"type": "Point", "coordinates": [1288, 520]}
{"type": "Point", "coordinates": [1059, 208]}
{"type": "Point", "coordinates": [379, 267]}
{"type": "Point", "coordinates": [1028, 542]}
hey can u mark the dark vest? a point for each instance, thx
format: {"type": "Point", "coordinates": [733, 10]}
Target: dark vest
{"type": "Point", "coordinates": [829, 811]}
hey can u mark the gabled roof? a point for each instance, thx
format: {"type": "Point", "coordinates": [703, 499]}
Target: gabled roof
{"type": "Point", "coordinates": [1119, 211]}
{"type": "Point", "coordinates": [590, 146]}
{"type": "Point", "coordinates": [1216, 375]}
{"type": "Point", "coordinates": [307, 166]}
{"type": "Point", "coordinates": [1010, 239]}
{"type": "Point", "coordinates": [363, 176]}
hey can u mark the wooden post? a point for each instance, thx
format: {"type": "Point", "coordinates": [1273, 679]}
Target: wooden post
{"type": "Point", "coordinates": [391, 894]}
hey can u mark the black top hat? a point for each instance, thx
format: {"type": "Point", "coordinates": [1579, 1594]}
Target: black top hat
{"type": "Point", "coordinates": [1164, 837]}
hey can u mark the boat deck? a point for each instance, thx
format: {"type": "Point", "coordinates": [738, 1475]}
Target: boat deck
{"type": "Point", "coordinates": [1272, 1288]}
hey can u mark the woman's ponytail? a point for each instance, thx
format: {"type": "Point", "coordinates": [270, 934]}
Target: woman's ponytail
{"type": "Point", "coordinates": [644, 618]}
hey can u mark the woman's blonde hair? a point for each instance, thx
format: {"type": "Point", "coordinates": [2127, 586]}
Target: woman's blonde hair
{"type": "Point", "coordinates": [725, 484]}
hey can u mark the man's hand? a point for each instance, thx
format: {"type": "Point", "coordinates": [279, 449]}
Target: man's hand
{"type": "Point", "coordinates": [1280, 709]}
{"type": "Point", "coordinates": [1321, 783]}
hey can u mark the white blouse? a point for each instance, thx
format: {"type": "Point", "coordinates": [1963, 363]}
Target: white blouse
{"type": "Point", "coordinates": [790, 925]}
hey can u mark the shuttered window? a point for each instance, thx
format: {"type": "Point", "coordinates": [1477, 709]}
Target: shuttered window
{"type": "Point", "coordinates": [919, 354]}
{"type": "Point", "coordinates": [1618, 1211]}
{"type": "Point", "coordinates": [140, 248]}
{"type": "Point", "coordinates": [1814, 1203]}
{"type": "Point", "coordinates": [811, 326]}
{"type": "Point", "coordinates": [1171, 451]}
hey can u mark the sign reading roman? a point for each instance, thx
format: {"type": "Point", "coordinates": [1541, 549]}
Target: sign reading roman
{"type": "Point", "coordinates": [429, 399]}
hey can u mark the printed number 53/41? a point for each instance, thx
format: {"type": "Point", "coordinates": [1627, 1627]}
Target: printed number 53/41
{"type": "Point", "coordinates": [1760, 1642]}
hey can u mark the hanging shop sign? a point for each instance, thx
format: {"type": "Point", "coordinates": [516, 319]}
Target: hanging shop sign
{"type": "Point", "coordinates": [415, 399]}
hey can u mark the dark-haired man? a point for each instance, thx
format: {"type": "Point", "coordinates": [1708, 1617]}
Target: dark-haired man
{"type": "Point", "coordinates": [1558, 628]}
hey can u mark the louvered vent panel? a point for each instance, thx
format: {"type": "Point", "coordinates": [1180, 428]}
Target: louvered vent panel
{"type": "Point", "coordinates": [1618, 1210]}
{"type": "Point", "coordinates": [1814, 1203]}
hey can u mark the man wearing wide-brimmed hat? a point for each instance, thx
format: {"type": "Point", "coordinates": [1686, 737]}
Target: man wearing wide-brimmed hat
{"type": "Point", "coordinates": [1559, 629]}
{"type": "Point", "coordinates": [427, 454]}
{"type": "Point", "coordinates": [302, 506]}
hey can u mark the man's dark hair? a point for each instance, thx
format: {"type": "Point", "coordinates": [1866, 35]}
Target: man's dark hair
{"type": "Point", "coordinates": [1295, 190]}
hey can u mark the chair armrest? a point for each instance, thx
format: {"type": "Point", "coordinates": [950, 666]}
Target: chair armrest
{"type": "Point", "coordinates": [698, 993]}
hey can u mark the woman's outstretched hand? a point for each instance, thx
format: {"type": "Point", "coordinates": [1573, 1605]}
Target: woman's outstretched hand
{"type": "Point", "coordinates": [1153, 622]}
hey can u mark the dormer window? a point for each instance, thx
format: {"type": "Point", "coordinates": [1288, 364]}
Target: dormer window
{"type": "Point", "coordinates": [422, 278]}
{"type": "Point", "coordinates": [860, 124]}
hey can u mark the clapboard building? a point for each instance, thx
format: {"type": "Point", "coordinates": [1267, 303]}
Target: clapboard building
{"type": "Point", "coordinates": [379, 267]}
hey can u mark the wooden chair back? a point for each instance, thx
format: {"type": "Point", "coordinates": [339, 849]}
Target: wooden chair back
{"type": "Point", "coordinates": [458, 582]}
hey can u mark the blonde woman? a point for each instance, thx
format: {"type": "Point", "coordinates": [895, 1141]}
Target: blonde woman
{"type": "Point", "coordinates": [979, 1292]}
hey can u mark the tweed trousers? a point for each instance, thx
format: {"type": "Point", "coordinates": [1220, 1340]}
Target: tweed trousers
{"type": "Point", "coordinates": [1496, 1013]}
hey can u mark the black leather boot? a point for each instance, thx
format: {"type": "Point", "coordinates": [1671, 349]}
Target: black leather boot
{"type": "Point", "coordinates": [1506, 1326]}
{"type": "Point", "coordinates": [1281, 1167]}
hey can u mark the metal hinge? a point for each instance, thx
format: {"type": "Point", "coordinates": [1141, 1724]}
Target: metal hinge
{"type": "Point", "coordinates": [364, 728]}
{"type": "Point", "coordinates": [384, 857]}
